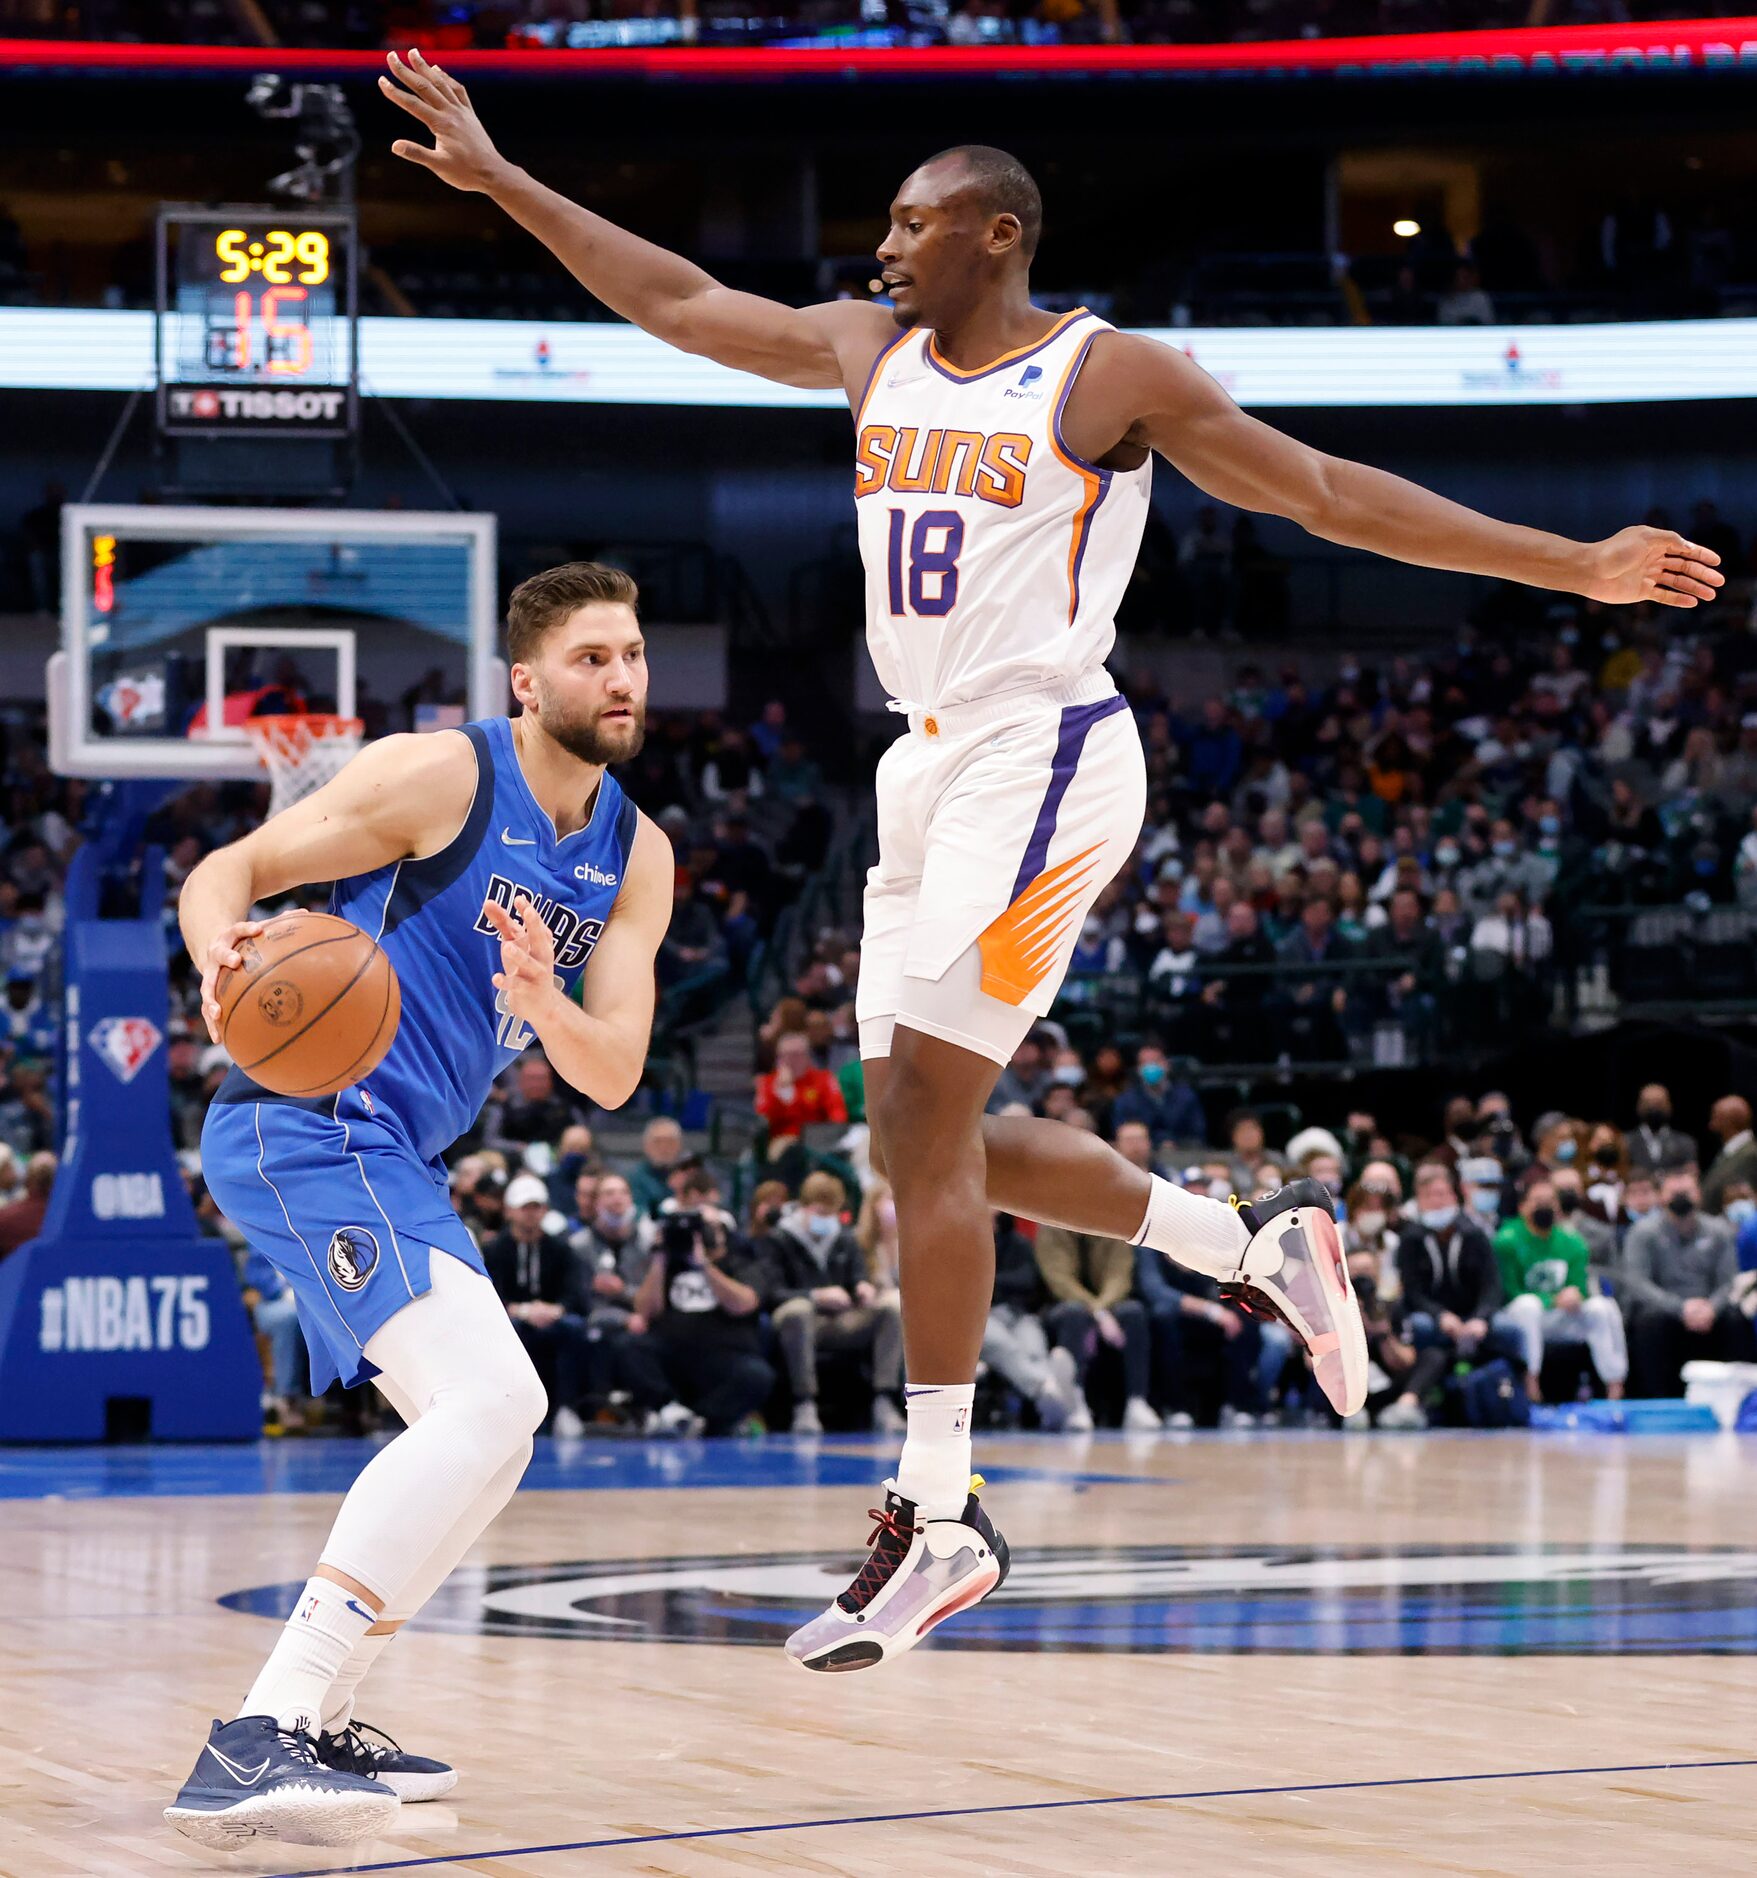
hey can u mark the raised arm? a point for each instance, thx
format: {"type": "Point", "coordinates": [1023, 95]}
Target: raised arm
{"type": "Point", "coordinates": [402, 796]}
{"type": "Point", "coordinates": [820, 347]}
{"type": "Point", "coordinates": [1136, 391]}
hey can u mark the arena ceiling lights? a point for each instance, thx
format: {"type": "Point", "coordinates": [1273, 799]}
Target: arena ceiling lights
{"type": "Point", "coordinates": [1666, 46]}
{"type": "Point", "coordinates": [519, 361]}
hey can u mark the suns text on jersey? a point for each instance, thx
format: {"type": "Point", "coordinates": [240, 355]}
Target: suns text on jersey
{"type": "Point", "coordinates": [942, 462]}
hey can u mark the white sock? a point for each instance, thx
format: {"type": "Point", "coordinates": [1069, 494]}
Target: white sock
{"type": "Point", "coordinates": [323, 1632]}
{"type": "Point", "coordinates": [338, 1705]}
{"type": "Point", "coordinates": [1206, 1235]}
{"type": "Point", "coordinates": [935, 1469]}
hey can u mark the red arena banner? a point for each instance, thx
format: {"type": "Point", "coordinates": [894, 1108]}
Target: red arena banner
{"type": "Point", "coordinates": [1665, 46]}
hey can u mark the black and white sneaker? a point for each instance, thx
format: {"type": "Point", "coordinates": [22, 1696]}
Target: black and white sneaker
{"type": "Point", "coordinates": [409, 1776]}
{"type": "Point", "coordinates": [919, 1573]}
{"type": "Point", "coordinates": [257, 1780]}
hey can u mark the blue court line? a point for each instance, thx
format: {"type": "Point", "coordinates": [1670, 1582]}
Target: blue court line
{"type": "Point", "coordinates": [1018, 1806]}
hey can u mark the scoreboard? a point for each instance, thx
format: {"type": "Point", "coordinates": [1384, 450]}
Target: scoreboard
{"type": "Point", "coordinates": [255, 327]}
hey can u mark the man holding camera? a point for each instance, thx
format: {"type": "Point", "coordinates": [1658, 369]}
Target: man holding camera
{"type": "Point", "coordinates": [699, 1301]}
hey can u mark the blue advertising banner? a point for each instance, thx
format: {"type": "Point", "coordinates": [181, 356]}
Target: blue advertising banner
{"type": "Point", "coordinates": [121, 1317]}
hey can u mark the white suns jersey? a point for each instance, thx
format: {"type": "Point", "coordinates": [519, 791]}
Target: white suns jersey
{"type": "Point", "coordinates": [995, 558]}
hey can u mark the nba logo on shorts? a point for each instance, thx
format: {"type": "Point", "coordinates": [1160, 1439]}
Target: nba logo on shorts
{"type": "Point", "coordinates": [353, 1256]}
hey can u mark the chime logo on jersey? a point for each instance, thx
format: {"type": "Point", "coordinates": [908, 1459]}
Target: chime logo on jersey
{"type": "Point", "coordinates": [574, 936]}
{"type": "Point", "coordinates": [1555, 1600]}
{"type": "Point", "coordinates": [942, 462]}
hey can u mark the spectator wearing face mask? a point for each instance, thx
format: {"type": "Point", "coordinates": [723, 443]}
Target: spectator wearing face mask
{"type": "Point", "coordinates": [822, 1300]}
{"type": "Point", "coordinates": [612, 1247]}
{"type": "Point", "coordinates": [1639, 1201]}
{"type": "Point", "coordinates": [1574, 1213]}
{"type": "Point", "coordinates": [1741, 1215]}
{"type": "Point", "coordinates": [1549, 1296]}
{"type": "Point", "coordinates": [1656, 1145]}
{"type": "Point", "coordinates": [1730, 1122]}
{"type": "Point", "coordinates": [1370, 1228]}
{"type": "Point", "coordinates": [1170, 1108]}
{"type": "Point", "coordinates": [1451, 1292]}
{"type": "Point", "coordinates": [1679, 1264]}
{"type": "Point", "coordinates": [1606, 1169]}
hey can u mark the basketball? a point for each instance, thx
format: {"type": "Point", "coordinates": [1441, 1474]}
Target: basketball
{"type": "Point", "coordinates": [313, 1007]}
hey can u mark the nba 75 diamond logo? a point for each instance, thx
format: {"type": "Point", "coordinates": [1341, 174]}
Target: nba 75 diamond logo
{"type": "Point", "coordinates": [124, 1044]}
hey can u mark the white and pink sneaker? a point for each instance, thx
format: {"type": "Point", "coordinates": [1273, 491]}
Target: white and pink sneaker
{"type": "Point", "coordinates": [1294, 1268]}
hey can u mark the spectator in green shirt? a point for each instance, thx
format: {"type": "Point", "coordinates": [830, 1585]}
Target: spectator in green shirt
{"type": "Point", "coordinates": [1550, 1296]}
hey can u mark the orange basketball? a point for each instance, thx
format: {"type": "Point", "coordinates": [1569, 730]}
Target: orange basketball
{"type": "Point", "coordinates": [313, 1007]}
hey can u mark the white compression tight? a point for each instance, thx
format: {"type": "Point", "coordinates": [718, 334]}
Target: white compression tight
{"type": "Point", "coordinates": [453, 1367]}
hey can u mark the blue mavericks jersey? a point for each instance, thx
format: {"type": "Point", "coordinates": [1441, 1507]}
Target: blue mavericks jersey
{"type": "Point", "coordinates": [455, 1035]}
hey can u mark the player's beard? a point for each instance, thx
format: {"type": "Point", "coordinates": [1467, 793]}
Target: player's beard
{"type": "Point", "coordinates": [589, 739]}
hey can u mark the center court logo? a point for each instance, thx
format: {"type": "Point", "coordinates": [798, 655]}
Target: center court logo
{"type": "Point", "coordinates": [353, 1256]}
{"type": "Point", "coordinates": [1563, 1600]}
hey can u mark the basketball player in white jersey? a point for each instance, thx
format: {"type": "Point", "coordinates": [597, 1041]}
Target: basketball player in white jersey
{"type": "Point", "coordinates": [1001, 483]}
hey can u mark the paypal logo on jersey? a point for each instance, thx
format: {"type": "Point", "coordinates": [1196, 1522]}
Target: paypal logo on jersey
{"type": "Point", "coordinates": [1027, 378]}
{"type": "Point", "coordinates": [595, 875]}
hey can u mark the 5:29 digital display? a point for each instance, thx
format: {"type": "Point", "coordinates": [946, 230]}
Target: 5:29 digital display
{"type": "Point", "coordinates": [256, 320]}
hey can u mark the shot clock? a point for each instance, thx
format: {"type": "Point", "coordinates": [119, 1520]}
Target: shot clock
{"type": "Point", "coordinates": [255, 321]}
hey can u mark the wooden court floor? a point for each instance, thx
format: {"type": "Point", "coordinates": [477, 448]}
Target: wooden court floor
{"type": "Point", "coordinates": [1503, 1654]}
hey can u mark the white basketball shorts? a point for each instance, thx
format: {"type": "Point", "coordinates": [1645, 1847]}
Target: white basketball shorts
{"type": "Point", "coordinates": [999, 823]}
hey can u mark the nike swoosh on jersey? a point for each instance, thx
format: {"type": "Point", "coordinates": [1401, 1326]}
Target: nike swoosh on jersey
{"type": "Point", "coordinates": [517, 841]}
{"type": "Point", "coordinates": [238, 1773]}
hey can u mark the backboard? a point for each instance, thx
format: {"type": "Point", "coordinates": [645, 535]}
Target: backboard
{"type": "Point", "coordinates": [179, 623]}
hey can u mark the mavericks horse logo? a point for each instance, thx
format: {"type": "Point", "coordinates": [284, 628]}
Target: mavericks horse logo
{"type": "Point", "coordinates": [353, 1256]}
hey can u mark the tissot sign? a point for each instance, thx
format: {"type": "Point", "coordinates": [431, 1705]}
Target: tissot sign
{"type": "Point", "coordinates": [1592, 1600]}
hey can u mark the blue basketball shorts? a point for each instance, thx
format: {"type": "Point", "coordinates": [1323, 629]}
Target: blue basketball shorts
{"type": "Point", "coordinates": [343, 1206]}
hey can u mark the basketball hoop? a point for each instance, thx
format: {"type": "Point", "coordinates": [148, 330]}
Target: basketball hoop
{"type": "Point", "coordinates": [301, 753]}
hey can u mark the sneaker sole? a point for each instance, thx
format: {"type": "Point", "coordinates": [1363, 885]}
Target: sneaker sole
{"type": "Point", "coordinates": [300, 1818]}
{"type": "Point", "coordinates": [874, 1647]}
{"type": "Point", "coordinates": [412, 1789]}
{"type": "Point", "coordinates": [1331, 1265]}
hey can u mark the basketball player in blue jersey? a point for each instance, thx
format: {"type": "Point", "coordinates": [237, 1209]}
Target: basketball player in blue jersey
{"type": "Point", "coordinates": [1002, 464]}
{"type": "Point", "coordinates": [501, 868]}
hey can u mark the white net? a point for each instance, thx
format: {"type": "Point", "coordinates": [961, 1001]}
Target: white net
{"type": "Point", "coordinates": [301, 753]}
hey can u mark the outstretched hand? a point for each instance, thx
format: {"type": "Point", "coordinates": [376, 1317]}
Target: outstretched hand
{"type": "Point", "coordinates": [1642, 563]}
{"type": "Point", "coordinates": [526, 979]}
{"type": "Point", "coordinates": [462, 153]}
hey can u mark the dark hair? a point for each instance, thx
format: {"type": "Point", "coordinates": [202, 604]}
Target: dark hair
{"type": "Point", "coordinates": [1000, 185]}
{"type": "Point", "coordinates": [540, 604]}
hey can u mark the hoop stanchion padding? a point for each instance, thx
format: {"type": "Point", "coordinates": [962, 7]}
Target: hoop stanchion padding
{"type": "Point", "coordinates": [121, 1318]}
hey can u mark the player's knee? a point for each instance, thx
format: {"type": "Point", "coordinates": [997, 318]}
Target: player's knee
{"type": "Point", "coordinates": [527, 1407]}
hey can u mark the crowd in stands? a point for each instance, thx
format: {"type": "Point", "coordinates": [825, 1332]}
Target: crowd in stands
{"type": "Point", "coordinates": [448, 25]}
{"type": "Point", "coordinates": [1497, 1266]}
{"type": "Point", "coordinates": [1388, 864]}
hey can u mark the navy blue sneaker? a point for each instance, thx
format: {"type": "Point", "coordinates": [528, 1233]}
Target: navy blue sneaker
{"type": "Point", "coordinates": [255, 1779]}
{"type": "Point", "coordinates": [409, 1776]}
